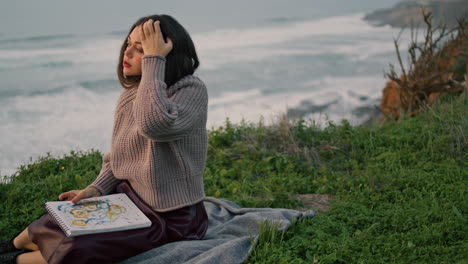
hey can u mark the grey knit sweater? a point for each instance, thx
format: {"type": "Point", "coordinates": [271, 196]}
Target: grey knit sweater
{"type": "Point", "coordinates": [159, 139]}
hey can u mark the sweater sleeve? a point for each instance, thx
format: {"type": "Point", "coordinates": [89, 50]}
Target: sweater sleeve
{"type": "Point", "coordinates": [159, 117]}
{"type": "Point", "coordinates": [105, 182]}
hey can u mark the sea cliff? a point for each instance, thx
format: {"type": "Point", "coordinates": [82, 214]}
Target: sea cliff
{"type": "Point", "coordinates": [408, 13]}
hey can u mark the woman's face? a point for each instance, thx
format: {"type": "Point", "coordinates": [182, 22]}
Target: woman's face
{"type": "Point", "coordinates": [133, 54]}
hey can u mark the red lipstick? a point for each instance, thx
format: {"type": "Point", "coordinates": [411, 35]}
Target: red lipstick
{"type": "Point", "coordinates": [126, 64]}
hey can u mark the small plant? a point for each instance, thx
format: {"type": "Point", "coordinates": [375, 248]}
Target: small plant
{"type": "Point", "coordinates": [436, 67]}
{"type": "Point", "coordinates": [267, 241]}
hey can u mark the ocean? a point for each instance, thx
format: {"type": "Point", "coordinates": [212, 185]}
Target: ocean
{"type": "Point", "coordinates": [258, 59]}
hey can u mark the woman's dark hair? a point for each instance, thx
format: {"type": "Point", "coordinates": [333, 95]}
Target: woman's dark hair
{"type": "Point", "coordinates": [181, 61]}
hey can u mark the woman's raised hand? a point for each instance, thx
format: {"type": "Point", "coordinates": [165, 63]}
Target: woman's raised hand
{"type": "Point", "coordinates": [76, 195]}
{"type": "Point", "coordinates": [152, 39]}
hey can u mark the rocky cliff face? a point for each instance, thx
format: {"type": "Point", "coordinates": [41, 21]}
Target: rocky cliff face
{"type": "Point", "coordinates": [408, 13]}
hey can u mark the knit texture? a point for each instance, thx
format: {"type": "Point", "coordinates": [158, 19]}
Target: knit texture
{"type": "Point", "coordinates": [159, 140]}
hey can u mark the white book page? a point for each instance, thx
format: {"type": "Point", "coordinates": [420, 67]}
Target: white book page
{"type": "Point", "coordinates": [103, 214]}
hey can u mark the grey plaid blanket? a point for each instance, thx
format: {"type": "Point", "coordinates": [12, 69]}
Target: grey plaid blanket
{"type": "Point", "coordinates": [230, 238]}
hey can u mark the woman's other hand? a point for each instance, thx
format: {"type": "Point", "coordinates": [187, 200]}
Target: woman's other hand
{"type": "Point", "coordinates": [76, 195]}
{"type": "Point", "coordinates": [152, 39]}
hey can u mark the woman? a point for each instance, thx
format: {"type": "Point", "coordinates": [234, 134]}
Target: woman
{"type": "Point", "coordinates": [157, 156]}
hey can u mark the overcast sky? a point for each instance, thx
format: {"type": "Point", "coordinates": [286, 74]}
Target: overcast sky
{"type": "Point", "coordinates": [39, 17]}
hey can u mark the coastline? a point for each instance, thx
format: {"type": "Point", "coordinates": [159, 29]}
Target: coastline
{"type": "Point", "coordinates": [408, 13]}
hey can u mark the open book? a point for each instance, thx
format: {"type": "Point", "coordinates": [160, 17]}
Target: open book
{"type": "Point", "coordinates": [114, 212]}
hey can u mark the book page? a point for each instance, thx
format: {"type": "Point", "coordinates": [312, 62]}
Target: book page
{"type": "Point", "coordinates": [111, 212]}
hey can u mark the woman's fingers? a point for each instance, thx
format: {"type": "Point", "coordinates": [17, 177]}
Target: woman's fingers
{"type": "Point", "coordinates": [67, 195]}
{"type": "Point", "coordinates": [169, 43]}
{"type": "Point", "coordinates": [86, 193]}
{"type": "Point", "coordinates": [149, 24]}
{"type": "Point", "coordinates": [62, 196]}
{"type": "Point", "coordinates": [81, 195]}
{"type": "Point", "coordinates": [157, 31]}
{"type": "Point", "coordinates": [166, 44]}
{"type": "Point", "coordinates": [148, 27]}
{"type": "Point", "coordinates": [152, 38]}
{"type": "Point", "coordinates": [156, 27]}
{"type": "Point", "coordinates": [76, 195]}
{"type": "Point", "coordinates": [142, 33]}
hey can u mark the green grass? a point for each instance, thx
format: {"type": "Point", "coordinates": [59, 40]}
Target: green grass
{"type": "Point", "coordinates": [399, 190]}
{"type": "Point", "coordinates": [400, 196]}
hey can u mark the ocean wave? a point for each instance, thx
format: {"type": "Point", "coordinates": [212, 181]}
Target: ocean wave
{"type": "Point", "coordinates": [11, 93]}
{"type": "Point", "coordinates": [37, 38]}
{"type": "Point", "coordinates": [338, 97]}
{"type": "Point", "coordinates": [16, 66]}
{"type": "Point", "coordinates": [282, 19]}
{"type": "Point", "coordinates": [348, 35]}
{"type": "Point", "coordinates": [100, 49]}
{"type": "Point", "coordinates": [99, 85]}
{"type": "Point", "coordinates": [77, 119]}
{"type": "Point", "coordinates": [120, 33]}
{"type": "Point", "coordinates": [14, 54]}
{"type": "Point", "coordinates": [51, 91]}
{"type": "Point", "coordinates": [56, 64]}
{"type": "Point", "coordinates": [234, 38]}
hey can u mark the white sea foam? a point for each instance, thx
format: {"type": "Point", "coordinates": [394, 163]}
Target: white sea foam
{"type": "Point", "coordinates": [85, 52]}
{"type": "Point", "coordinates": [77, 119]}
{"type": "Point", "coordinates": [346, 92]}
{"type": "Point", "coordinates": [239, 45]}
{"type": "Point", "coordinates": [235, 38]}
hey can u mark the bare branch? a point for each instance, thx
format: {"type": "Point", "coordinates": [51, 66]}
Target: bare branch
{"type": "Point", "coordinates": [429, 68]}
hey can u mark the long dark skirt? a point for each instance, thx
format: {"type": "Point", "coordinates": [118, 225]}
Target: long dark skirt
{"type": "Point", "coordinates": [187, 223]}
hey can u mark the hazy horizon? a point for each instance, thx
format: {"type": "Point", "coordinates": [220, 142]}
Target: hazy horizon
{"type": "Point", "coordinates": [35, 18]}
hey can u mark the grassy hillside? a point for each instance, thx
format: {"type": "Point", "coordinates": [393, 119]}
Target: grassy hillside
{"type": "Point", "coordinates": [400, 195]}
{"type": "Point", "coordinates": [399, 190]}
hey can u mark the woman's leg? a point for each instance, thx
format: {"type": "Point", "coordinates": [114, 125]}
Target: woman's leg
{"type": "Point", "coordinates": [34, 257]}
{"type": "Point", "coordinates": [22, 241]}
